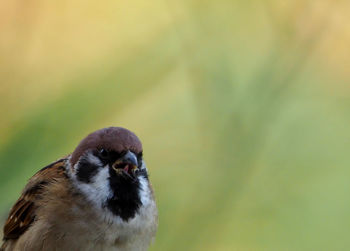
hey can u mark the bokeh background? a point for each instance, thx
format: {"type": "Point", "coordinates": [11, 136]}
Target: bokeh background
{"type": "Point", "coordinates": [242, 107]}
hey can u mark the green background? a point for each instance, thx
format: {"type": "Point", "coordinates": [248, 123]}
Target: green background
{"type": "Point", "coordinates": [242, 108]}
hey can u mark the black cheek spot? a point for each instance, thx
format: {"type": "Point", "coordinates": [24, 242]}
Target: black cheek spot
{"type": "Point", "coordinates": [86, 171]}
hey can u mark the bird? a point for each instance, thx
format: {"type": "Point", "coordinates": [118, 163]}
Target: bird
{"type": "Point", "coordinates": [99, 197]}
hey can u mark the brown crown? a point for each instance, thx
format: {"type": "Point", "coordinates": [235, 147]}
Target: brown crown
{"type": "Point", "coordinates": [116, 139]}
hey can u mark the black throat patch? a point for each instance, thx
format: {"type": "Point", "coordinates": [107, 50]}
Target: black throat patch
{"type": "Point", "coordinates": [126, 199]}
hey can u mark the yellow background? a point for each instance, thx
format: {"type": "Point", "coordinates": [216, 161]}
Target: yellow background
{"type": "Point", "coordinates": [242, 107]}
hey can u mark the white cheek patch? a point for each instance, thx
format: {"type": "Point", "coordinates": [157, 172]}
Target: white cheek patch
{"type": "Point", "coordinates": [93, 159]}
{"type": "Point", "coordinates": [143, 166]}
{"type": "Point", "coordinates": [97, 191]}
{"type": "Point", "coordinates": [144, 192]}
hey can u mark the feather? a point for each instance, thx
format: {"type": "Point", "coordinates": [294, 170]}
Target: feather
{"type": "Point", "coordinates": [23, 213]}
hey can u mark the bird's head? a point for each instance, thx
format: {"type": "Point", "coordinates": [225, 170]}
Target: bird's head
{"type": "Point", "coordinates": [108, 168]}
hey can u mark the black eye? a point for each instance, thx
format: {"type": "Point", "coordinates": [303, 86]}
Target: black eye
{"type": "Point", "coordinates": [139, 156]}
{"type": "Point", "coordinates": [103, 153]}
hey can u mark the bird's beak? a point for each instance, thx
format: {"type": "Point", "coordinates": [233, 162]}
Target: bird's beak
{"type": "Point", "coordinates": [127, 163]}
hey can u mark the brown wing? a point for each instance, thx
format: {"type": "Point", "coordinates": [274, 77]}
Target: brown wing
{"type": "Point", "coordinates": [22, 213]}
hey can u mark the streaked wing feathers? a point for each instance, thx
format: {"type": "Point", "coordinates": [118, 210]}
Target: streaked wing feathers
{"type": "Point", "coordinates": [22, 213]}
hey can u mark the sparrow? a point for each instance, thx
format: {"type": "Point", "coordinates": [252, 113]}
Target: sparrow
{"type": "Point", "coordinates": [97, 198]}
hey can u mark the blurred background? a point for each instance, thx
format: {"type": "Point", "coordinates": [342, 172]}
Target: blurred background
{"type": "Point", "coordinates": [242, 107]}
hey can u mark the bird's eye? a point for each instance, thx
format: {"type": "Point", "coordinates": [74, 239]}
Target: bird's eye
{"type": "Point", "coordinates": [103, 153]}
{"type": "Point", "coordinates": [139, 157]}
